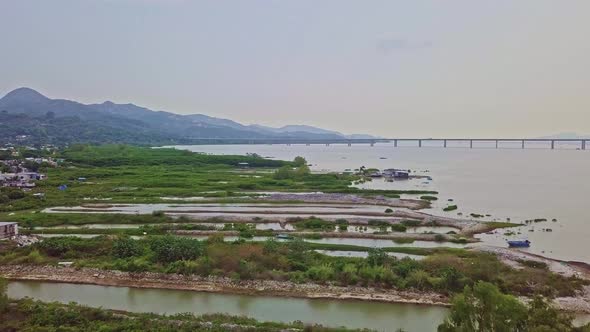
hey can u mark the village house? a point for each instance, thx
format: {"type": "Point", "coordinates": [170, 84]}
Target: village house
{"type": "Point", "coordinates": [8, 229]}
{"type": "Point", "coordinates": [20, 180]}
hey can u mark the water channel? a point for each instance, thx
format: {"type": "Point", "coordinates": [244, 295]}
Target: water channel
{"type": "Point", "coordinates": [352, 314]}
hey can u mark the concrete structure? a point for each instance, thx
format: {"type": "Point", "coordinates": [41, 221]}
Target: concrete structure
{"type": "Point", "coordinates": [8, 229]}
{"type": "Point", "coordinates": [442, 142]}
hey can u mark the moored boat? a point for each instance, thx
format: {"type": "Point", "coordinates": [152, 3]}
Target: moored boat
{"type": "Point", "coordinates": [519, 244]}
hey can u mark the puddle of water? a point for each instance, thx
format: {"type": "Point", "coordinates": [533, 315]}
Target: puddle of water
{"type": "Point", "coordinates": [364, 254]}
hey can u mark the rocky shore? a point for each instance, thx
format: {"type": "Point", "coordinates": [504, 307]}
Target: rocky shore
{"type": "Point", "coordinates": [216, 284]}
{"type": "Point", "coordinates": [578, 304]}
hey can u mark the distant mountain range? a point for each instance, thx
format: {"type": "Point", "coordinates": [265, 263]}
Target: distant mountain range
{"type": "Point", "coordinates": [28, 116]}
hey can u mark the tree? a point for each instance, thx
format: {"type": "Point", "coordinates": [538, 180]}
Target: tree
{"type": "Point", "coordinates": [543, 317]}
{"type": "Point", "coordinates": [299, 161]}
{"type": "Point", "coordinates": [484, 308]}
{"type": "Point", "coordinates": [283, 173]}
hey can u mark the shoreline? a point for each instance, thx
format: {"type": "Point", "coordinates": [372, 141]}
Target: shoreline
{"type": "Point", "coordinates": [221, 285]}
{"type": "Point", "coordinates": [150, 280]}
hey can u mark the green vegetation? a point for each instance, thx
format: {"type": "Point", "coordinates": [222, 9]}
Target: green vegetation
{"type": "Point", "coordinates": [29, 315]}
{"type": "Point", "coordinates": [313, 224]}
{"type": "Point", "coordinates": [125, 174]}
{"type": "Point", "coordinates": [499, 224]}
{"type": "Point", "coordinates": [483, 307]}
{"type": "Point", "coordinates": [8, 195]}
{"type": "Point", "coordinates": [125, 155]}
{"type": "Point", "coordinates": [444, 271]}
{"type": "Point", "coordinates": [450, 208]}
{"type": "Point", "coordinates": [429, 198]}
{"type": "Point", "coordinates": [398, 228]}
{"type": "Point", "coordinates": [3, 296]}
{"type": "Point", "coordinates": [411, 223]}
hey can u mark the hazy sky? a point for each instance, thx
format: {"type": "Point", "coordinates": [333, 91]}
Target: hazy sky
{"type": "Point", "coordinates": [392, 68]}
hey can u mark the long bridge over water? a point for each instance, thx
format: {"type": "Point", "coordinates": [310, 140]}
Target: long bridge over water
{"type": "Point", "coordinates": [551, 143]}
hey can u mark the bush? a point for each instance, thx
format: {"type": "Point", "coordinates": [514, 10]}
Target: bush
{"type": "Point", "coordinates": [398, 228]}
{"type": "Point", "coordinates": [411, 223]}
{"type": "Point", "coordinates": [158, 213]}
{"type": "Point", "coordinates": [450, 208]}
{"type": "Point", "coordinates": [72, 247]}
{"type": "Point", "coordinates": [429, 198]}
{"type": "Point", "coordinates": [439, 238]}
{"type": "Point", "coordinates": [15, 194]}
{"type": "Point", "coordinates": [183, 267]}
{"type": "Point", "coordinates": [388, 210]}
{"type": "Point", "coordinates": [377, 256]}
{"type": "Point", "coordinates": [127, 247]}
{"type": "Point", "coordinates": [169, 249]}
{"type": "Point", "coordinates": [321, 273]}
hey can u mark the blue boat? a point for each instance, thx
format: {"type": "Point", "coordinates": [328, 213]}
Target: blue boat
{"type": "Point", "coordinates": [519, 244]}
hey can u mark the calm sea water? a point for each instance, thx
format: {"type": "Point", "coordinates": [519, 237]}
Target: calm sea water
{"type": "Point", "coordinates": [505, 183]}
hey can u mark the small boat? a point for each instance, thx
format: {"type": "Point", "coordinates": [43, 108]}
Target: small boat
{"type": "Point", "coordinates": [519, 244]}
{"type": "Point", "coordinates": [284, 237]}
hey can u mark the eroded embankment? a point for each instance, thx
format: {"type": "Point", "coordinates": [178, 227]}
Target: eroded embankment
{"type": "Point", "coordinates": [578, 304]}
{"type": "Point", "coordinates": [216, 284]}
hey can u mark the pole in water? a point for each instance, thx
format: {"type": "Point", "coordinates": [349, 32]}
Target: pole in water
{"type": "Point", "coordinates": [419, 143]}
{"type": "Point", "coordinates": [523, 144]}
{"type": "Point", "coordinates": [552, 145]}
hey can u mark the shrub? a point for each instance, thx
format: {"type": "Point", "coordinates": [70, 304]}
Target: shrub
{"type": "Point", "coordinates": [388, 210]}
{"type": "Point", "coordinates": [411, 223]}
{"type": "Point", "coordinates": [439, 238]}
{"type": "Point", "coordinates": [127, 247]}
{"type": "Point", "coordinates": [183, 267]}
{"type": "Point", "coordinates": [398, 228]}
{"type": "Point", "coordinates": [15, 194]}
{"type": "Point", "coordinates": [72, 246]}
{"type": "Point", "coordinates": [321, 273]}
{"type": "Point", "coordinates": [158, 213]}
{"type": "Point", "coordinates": [429, 198]}
{"type": "Point", "coordinates": [377, 256]}
{"type": "Point", "coordinates": [450, 208]}
{"type": "Point", "coordinates": [418, 279]}
{"type": "Point", "coordinates": [170, 249]}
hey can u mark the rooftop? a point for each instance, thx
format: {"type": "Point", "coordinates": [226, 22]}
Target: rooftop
{"type": "Point", "coordinates": [7, 223]}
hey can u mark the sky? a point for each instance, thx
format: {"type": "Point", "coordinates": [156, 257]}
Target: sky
{"type": "Point", "coordinates": [421, 68]}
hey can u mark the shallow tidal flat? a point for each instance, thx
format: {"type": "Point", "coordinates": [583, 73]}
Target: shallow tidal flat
{"type": "Point", "coordinates": [354, 214]}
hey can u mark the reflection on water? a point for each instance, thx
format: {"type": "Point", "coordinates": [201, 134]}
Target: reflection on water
{"type": "Point", "coordinates": [352, 314]}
